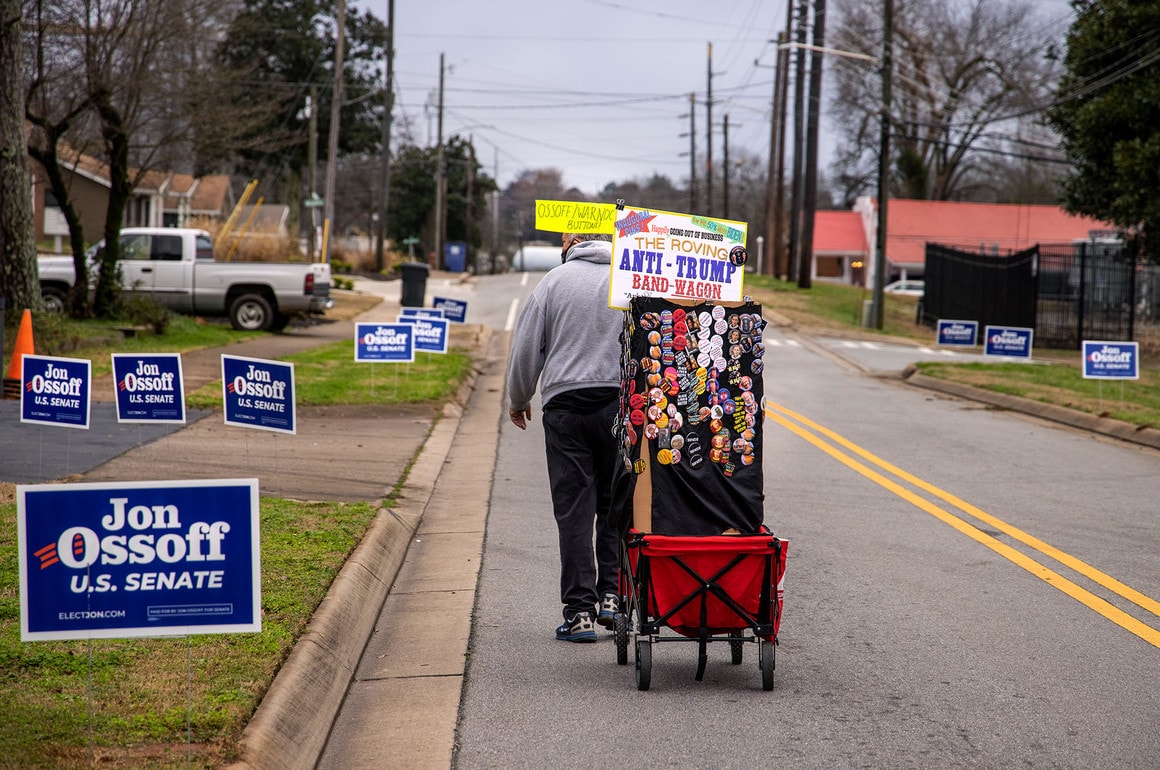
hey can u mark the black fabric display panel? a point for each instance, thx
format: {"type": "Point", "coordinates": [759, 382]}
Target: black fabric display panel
{"type": "Point", "coordinates": [692, 393]}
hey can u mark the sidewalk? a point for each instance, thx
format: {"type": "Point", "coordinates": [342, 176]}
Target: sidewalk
{"type": "Point", "coordinates": [394, 627]}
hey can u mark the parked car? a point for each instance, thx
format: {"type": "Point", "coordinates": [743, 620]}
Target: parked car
{"type": "Point", "coordinates": [907, 288]}
{"type": "Point", "coordinates": [175, 267]}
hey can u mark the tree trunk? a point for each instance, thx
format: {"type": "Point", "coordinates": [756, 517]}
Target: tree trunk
{"type": "Point", "coordinates": [79, 305]}
{"type": "Point", "coordinates": [116, 137]}
{"type": "Point", "coordinates": [18, 272]}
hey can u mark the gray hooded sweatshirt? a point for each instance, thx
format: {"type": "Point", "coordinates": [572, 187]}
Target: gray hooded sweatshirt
{"type": "Point", "coordinates": [567, 336]}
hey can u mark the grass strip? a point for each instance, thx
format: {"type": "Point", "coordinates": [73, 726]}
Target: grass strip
{"type": "Point", "coordinates": [1133, 401]}
{"type": "Point", "coordinates": [139, 699]}
{"type": "Point", "coordinates": [330, 375]}
{"type": "Point", "coordinates": [139, 686]}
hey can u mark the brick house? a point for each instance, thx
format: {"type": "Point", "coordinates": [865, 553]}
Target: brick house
{"type": "Point", "coordinates": [845, 241]}
{"type": "Point", "coordinates": [160, 199]}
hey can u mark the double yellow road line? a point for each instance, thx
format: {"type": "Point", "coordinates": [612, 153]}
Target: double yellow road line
{"type": "Point", "coordinates": [848, 453]}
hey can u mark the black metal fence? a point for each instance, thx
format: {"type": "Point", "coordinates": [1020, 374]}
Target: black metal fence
{"type": "Point", "coordinates": [1066, 292]}
{"type": "Point", "coordinates": [988, 288]}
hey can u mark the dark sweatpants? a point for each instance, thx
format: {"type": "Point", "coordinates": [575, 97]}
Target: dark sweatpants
{"type": "Point", "coordinates": [582, 455]}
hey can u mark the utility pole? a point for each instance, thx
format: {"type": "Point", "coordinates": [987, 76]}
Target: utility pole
{"type": "Point", "coordinates": [883, 161]}
{"type": "Point", "coordinates": [771, 169]}
{"type": "Point", "coordinates": [805, 269]}
{"type": "Point", "coordinates": [312, 162]}
{"type": "Point", "coordinates": [385, 173]}
{"type": "Point", "coordinates": [725, 172]}
{"type": "Point", "coordinates": [469, 256]}
{"type": "Point", "coordinates": [440, 179]}
{"type": "Point", "coordinates": [692, 153]}
{"type": "Point", "coordinates": [709, 136]}
{"type": "Point", "coordinates": [798, 136]}
{"type": "Point", "coordinates": [335, 115]}
{"type": "Point", "coordinates": [782, 86]}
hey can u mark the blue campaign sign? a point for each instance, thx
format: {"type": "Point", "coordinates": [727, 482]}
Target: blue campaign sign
{"type": "Point", "coordinates": [1008, 341]}
{"type": "Point", "coordinates": [149, 387]}
{"type": "Point", "coordinates": [958, 333]}
{"type": "Point", "coordinates": [384, 342]}
{"type": "Point", "coordinates": [1111, 360]}
{"type": "Point", "coordinates": [453, 309]}
{"type": "Point", "coordinates": [128, 559]}
{"type": "Point", "coordinates": [258, 393]}
{"type": "Point", "coordinates": [56, 391]}
{"type": "Point", "coordinates": [423, 312]}
{"type": "Point", "coordinates": [430, 333]}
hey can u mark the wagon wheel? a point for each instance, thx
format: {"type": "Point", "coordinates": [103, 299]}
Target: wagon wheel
{"type": "Point", "coordinates": [620, 631]}
{"type": "Point", "coordinates": [765, 657]}
{"type": "Point", "coordinates": [643, 663]}
{"type": "Point", "coordinates": [737, 648]}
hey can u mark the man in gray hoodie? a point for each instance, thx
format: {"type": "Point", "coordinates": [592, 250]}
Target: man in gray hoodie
{"type": "Point", "coordinates": [568, 340]}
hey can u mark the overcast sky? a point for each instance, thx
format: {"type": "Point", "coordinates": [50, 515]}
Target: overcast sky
{"type": "Point", "coordinates": [598, 89]}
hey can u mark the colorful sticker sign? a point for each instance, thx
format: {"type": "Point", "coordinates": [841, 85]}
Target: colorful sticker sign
{"type": "Point", "coordinates": [384, 342]}
{"type": "Point", "coordinates": [128, 559]}
{"type": "Point", "coordinates": [1111, 360]}
{"type": "Point", "coordinates": [149, 387]}
{"type": "Point", "coordinates": [677, 257]}
{"type": "Point", "coordinates": [56, 391]}
{"type": "Point", "coordinates": [1008, 341]}
{"type": "Point", "coordinates": [258, 394]}
{"type": "Point", "coordinates": [453, 309]}
{"type": "Point", "coordinates": [958, 333]}
{"type": "Point", "coordinates": [570, 217]}
{"type": "Point", "coordinates": [430, 334]}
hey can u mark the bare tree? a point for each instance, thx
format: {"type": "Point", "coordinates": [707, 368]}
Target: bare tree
{"type": "Point", "coordinates": [129, 82]}
{"type": "Point", "coordinates": [967, 75]}
{"type": "Point", "coordinates": [18, 274]}
{"type": "Point", "coordinates": [54, 104]}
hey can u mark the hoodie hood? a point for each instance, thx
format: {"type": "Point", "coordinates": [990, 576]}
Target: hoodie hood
{"type": "Point", "coordinates": [599, 252]}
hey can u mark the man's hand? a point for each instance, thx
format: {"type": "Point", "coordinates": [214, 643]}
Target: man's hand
{"type": "Point", "coordinates": [520, 417]}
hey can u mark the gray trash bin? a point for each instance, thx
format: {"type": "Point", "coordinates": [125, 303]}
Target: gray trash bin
{"type": "Point", "coordinates": [414, 283]}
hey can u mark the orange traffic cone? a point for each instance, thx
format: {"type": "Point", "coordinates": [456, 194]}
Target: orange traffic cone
{"type": "Point", "coordinates": [23, 347]}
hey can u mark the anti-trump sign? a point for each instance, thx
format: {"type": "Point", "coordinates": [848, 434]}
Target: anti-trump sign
{"type": "Point", "coordinates": [384, 342]}
{"type": "Point", "coordinates": [676, 256]}
{"type": "Point", "coordinates": [129, 559]}
{"type": "Point", "coordinates": [56, 391]}
{"type": "Point", "coordinates": [1111, 360]}
{"type": "Point", "coordinates": [258, 394]}
{"type": "Point", "coordinates": [149, 387]}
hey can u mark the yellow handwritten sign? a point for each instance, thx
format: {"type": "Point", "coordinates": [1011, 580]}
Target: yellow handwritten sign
{"type": "Point", "coordinates": [569, 217]}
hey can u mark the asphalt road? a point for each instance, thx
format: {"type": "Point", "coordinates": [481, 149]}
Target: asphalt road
{"type": "Point", "coordinates": [966, 587]}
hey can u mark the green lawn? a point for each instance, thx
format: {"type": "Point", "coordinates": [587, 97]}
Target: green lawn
{"type": "Point", "coordinates": [1055, 377]}
{"type": "Point", "coordinates": [143, 692]}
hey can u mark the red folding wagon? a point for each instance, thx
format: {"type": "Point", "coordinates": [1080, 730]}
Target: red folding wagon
{"type": "Point", "coordinates": [698, 564]}
{"type": "Point", "coordinates": [700, 589]}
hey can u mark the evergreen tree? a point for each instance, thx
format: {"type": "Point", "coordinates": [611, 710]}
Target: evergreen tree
{"type": "Point", "coordinates": [1108, 113]}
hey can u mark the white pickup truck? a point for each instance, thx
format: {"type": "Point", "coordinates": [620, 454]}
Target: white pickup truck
{"type": "Point", "coordinates": [176, 268]}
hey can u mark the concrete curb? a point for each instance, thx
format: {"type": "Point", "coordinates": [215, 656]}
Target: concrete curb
{"type": "Point", "coordinates": [289, 730]}
{"type": "Point", "coordinates": [1149, 437]}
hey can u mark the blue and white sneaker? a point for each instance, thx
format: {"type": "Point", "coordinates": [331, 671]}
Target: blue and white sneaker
{"type": "Point", "coordinates": [609, 607]}
{"type": "Point", "coordinates": [578, 629]}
